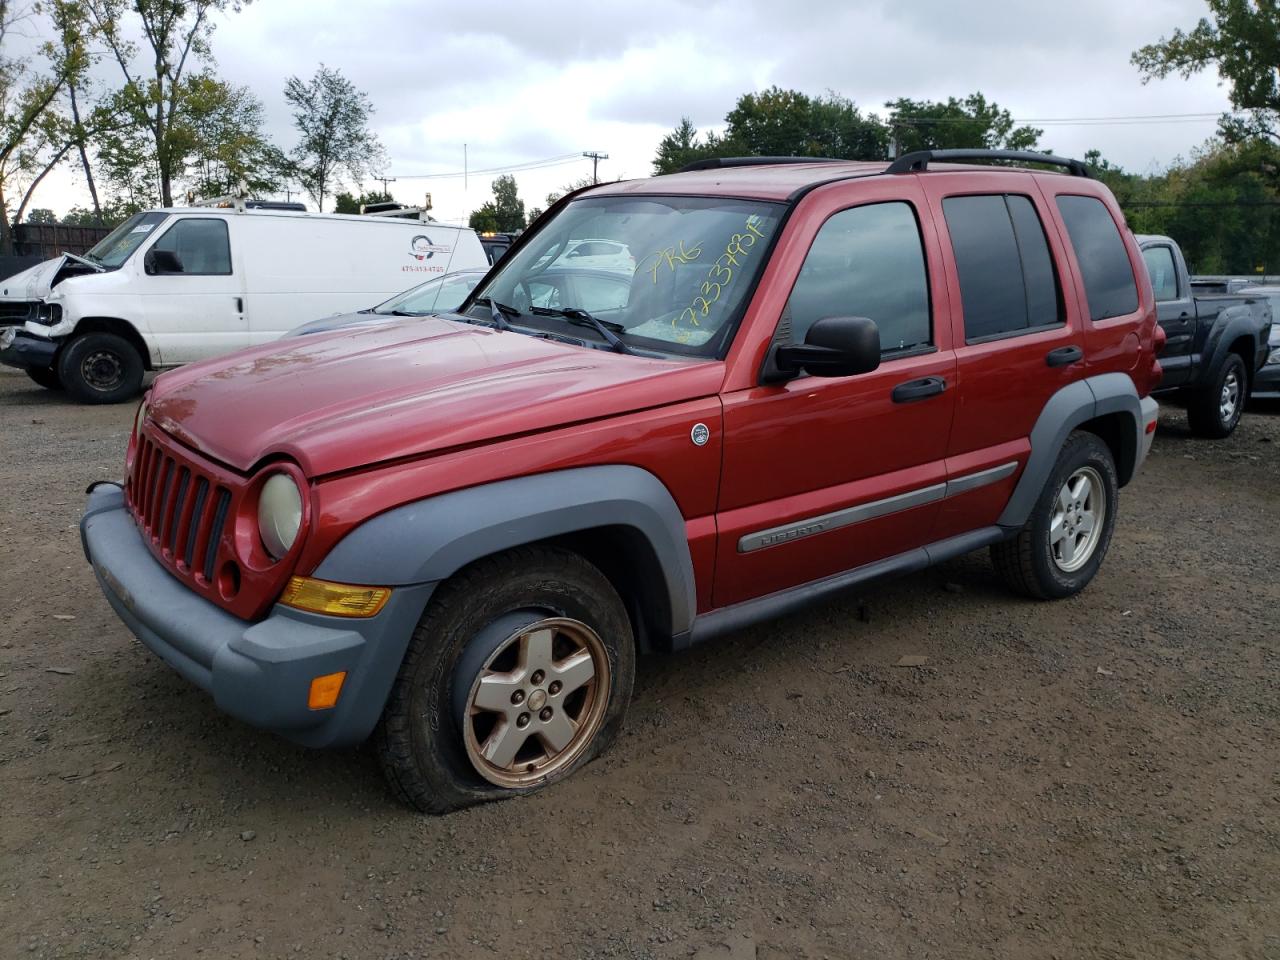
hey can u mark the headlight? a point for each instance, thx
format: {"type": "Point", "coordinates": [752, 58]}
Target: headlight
{"type": "Point", "coordinates": [138, 418]}
{"type": "Point", "coordinates": [1274, 359]}
{"type": "Point", "coordinates": [7, 336]}
{"type": "Point", "coordinates": [49, 313]}
{"type": "Point", "coordinates": [279, 514]}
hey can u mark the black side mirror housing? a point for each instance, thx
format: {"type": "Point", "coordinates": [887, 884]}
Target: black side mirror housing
{"type": "Point", "coordinates": [161, 261]}
{"type": "Point", "coordinates": [833, 347]}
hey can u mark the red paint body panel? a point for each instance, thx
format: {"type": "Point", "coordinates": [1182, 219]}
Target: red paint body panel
{"type": "Point", "coordinates": [380, 416]}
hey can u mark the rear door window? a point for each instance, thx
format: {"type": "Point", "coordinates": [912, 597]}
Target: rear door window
{"type": "Point", "coordinates": [867, 262]}
{"type": "Point", "coordinates": [1164, 277]}
{"type": "Point", "coordinates": [1108, 278]}
{"type": "Point", "coordinates": [1008, 284]}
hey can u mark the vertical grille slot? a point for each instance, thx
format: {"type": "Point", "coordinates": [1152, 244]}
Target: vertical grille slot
{"type": "Point", "coordinates": [173, 514]}
{"type": "Point", "coordinates": [197, 516]}
{"type": "Point", "coordinates": [215, 534]}
{"type": "Point", "coordinates": [159, 492]}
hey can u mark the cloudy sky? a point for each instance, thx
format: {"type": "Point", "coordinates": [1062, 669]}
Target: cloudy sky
{"type": "Point", "coordinates": [519, 83]}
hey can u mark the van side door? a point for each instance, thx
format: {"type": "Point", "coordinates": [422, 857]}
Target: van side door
{"type": "Point", "coordinates": [1175, 309]}
{"type": "Point", "coordinates": [192, 291]}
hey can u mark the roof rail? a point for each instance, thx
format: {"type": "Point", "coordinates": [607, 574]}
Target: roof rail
{"type": "Point", "coordinates": [715, 163]}
{"type": "Point", "coordinates": [919, 161]}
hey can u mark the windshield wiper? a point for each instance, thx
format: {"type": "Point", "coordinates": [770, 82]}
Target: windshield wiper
{"type": "Point", "coordinates": [88, 263]}
{"type": "Point", "coordinates": [607, 329]}
{"type": "Point", "coordinates": [500, 312]}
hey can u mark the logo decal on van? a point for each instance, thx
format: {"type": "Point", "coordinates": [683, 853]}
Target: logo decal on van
{"type": "Point", "coordinates": [421, 248]}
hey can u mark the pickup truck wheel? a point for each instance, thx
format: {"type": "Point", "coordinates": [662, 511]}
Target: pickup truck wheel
{"type": "Point", "coordinates": [46, 377]}
{"type": "Point", "coordinates": [518, 673]}
{"type": "Point", "coordinates": [100, 368]}
{"type": "Point", "coordinates": [1064, 540]}
{"type": "Point", "coordinates": [1213, 411]}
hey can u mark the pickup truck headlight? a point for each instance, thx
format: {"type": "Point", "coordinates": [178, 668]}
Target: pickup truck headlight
{"type": "Point", "coordinates": [279, 514]}
{"type": "Point", "coordinates": [139, 418]}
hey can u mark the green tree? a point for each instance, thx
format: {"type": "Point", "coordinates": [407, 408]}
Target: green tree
{"type": "Point", "coordinates": [332, 118]}
{"type": "Point", "coordinates": [41, 215]}
{"type": "Point", "coordinates": [222, 143]}
{"type": "Point", "coordinates": [1241, 40]}
{"type": "Point", "coordinates": [777, 122]}
{"type": "Point", "coordinates": [971, 122]}
{"type": "Point", "coordinates": [504, 213]}
{"type": "Point", "coordinates": [350, 203]}
{"type": "Point", "coordinates": [176, 34]}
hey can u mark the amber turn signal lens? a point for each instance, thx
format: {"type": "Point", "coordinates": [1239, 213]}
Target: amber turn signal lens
{"type": "Point", "coordinates": [325, 690]}
{"type": "Point", "coordinates": [335, 599]}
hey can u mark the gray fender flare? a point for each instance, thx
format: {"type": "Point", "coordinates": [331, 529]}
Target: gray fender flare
{"type": "Point", "coordinates": [429, 540]}
{"type": "Point", "coordinates": [1071, 406]}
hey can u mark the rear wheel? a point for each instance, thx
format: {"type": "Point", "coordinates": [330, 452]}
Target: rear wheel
{"type": "Point", "coordinates": [1214, 410]}
{"type": "Point", "coordinates": [1062, 545]}
{"type": "Point", "coordinates": [100, 368]}
{"type": "Point", "coordinates": [519, 673]}
{"type": "Point", "coordinates": [46, 377]}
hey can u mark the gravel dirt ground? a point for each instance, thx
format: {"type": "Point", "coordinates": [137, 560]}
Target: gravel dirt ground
{"type": "Point", "coordinates": [1098, 777]}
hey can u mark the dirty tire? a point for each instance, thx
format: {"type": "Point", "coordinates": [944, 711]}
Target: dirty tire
{"type": "Point", "coordinates": [419, 740]}
{"type": "Point", "coordinates": [100, 368]}
{"type": "Point", "coordinates": [1026, 562]}
{"type": "Point", "coordinates": [1205, 411]}
{"type": "Point", "coordinates": [46, 377]}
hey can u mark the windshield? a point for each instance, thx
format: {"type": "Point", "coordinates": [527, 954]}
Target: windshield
{"type": "Point", "coordinates": [115, 248]}
{"type": "Point", "coordinates": [666, 273]}
{"type": "Point", "coordinates": [440, 293]}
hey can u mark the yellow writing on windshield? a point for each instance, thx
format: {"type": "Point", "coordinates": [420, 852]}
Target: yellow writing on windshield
{"type": "Point", "coordinates": [720, 275]}
{"type": "Point", "coordinates": [669, 258]}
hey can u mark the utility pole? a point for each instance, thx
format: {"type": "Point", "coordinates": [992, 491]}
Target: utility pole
{"type": "Point", "coordinates": [385, 181]}
{"type": "Point", "coordinates": [595, 157]}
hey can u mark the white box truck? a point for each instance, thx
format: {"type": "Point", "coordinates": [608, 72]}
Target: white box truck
{"type": "Point", "coordinates": [171, 286]}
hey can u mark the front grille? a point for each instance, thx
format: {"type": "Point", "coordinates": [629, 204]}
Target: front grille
{"type": "Point", "coordinates": [17, 311]}
{"type": "Point", "coordinates": [180, 508]}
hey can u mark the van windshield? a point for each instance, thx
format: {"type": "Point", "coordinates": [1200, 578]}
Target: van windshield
{"type": "Point", "coordinates": [669, 274]}
{"type": "Point", "coordinates": [116, 247]}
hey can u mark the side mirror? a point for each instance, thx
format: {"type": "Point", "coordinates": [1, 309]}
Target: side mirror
{"type": "Point", "coordinates": [161, 261]}
{"type": "Point", "coordinates": [833, 347]}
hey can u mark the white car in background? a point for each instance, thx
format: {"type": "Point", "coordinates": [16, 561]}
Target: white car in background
{"type": "Point", "coordinates": [443, 294]}
{"type": "Point", "coordinates": [172, 286]}
{"type": "Point", "coordinates": [598, 255]}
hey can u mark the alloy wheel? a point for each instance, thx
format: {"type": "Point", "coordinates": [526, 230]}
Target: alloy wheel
{"type": "Point", "coordinates": [1078, 519]}
{"type": "Point", "coordinates": [537, 702]}
{"type": "Point", "coordinates": [1230, 398]}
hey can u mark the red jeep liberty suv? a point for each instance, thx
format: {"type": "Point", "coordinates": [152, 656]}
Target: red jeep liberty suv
{"type": "Point", "coordinates": [454, 533]}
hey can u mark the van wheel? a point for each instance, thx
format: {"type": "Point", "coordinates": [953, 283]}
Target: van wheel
{"type": "Point", "coordinates": [46, 377]}
{"type": "Point", "coordinates": [1061, 546]}
{"type": "Point", "coordinates": [100, 368]}
{"type": "Point", "coordinates": [1213, 411]}
{"type": "Point", "coordinates": [518, 673]}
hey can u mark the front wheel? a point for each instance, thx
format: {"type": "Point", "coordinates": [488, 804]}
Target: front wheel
{"type": "Point", "coordinates": [1061, 546]}
{"type": "Point", "coordinates": [518, 673]}
{"type": "Point", "coordinates": [100, 368]}
{"type": "Point", "coordinates": [1214, 410]}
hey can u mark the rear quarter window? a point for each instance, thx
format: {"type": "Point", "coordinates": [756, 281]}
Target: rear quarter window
{"type": "Point", "coordinates": [1109, 284]}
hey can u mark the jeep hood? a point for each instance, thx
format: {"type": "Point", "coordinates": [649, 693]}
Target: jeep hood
{"type": "Point", "coordinates": [349, 398]}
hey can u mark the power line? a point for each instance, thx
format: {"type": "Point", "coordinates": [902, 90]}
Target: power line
{"type": "Point", "coordinates": [510, 168]}
{"type": "Point", "coordinates": [595, 156]}
{"type": "Point", "coordinates": [1136, 119]}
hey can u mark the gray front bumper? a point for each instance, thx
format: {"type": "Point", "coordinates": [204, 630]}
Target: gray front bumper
{"type": "Point", "coordinates": [28, 352]}
{"type": "Point", "coordinates": [258, 672]}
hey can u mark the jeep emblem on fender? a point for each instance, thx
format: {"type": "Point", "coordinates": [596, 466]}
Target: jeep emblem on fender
{"type": "Point", "coordinates": [699, 434]}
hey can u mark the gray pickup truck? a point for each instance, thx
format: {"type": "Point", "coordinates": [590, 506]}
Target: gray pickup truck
{"type": "Point", "coordinates": [1217, 341]}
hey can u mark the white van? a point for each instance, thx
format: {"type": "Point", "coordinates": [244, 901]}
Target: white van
{"type": "Point", "coordinates": [171, 286]}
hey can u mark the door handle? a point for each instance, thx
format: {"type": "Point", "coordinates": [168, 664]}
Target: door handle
{"type": "Point", "coordinates": [1063, 356]}
{"type": "Point", "coordinates": [239, 304]}
{"type": "Point", "coordinates": [918, 389]}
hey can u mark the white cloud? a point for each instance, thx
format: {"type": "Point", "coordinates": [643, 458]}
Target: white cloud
{"type": "Point", "coordinates": [522, 82]}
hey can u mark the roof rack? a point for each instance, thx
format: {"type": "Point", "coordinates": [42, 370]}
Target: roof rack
{"type": "Point", "coordinates": [715, 163]}
{"type": "Point", "coordinates": [919, 161]}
